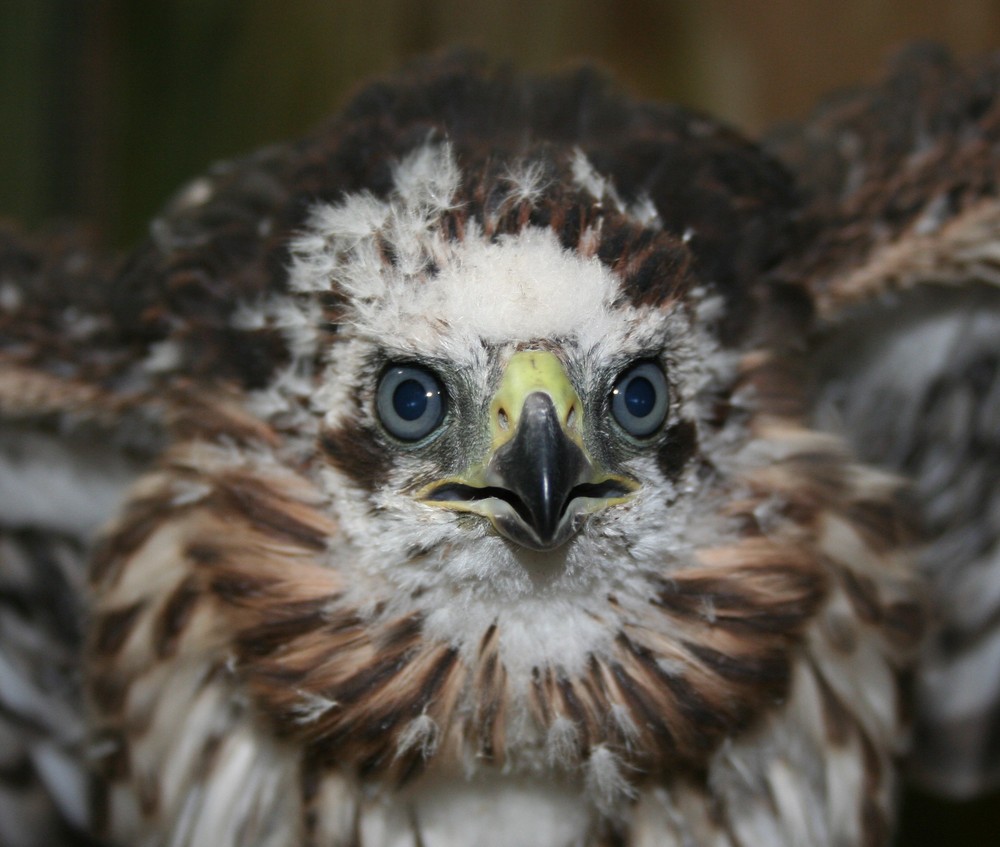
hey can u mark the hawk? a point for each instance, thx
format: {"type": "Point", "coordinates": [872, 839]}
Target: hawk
{"type": "Point", "coordinates": [512, 461]}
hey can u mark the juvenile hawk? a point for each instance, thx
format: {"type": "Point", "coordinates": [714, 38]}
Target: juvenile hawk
{"type": "Point", "coordinates": [514, 462]}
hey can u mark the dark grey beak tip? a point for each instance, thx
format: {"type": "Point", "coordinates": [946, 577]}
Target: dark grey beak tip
{"type": "Point", "coordinates": [525, 535]}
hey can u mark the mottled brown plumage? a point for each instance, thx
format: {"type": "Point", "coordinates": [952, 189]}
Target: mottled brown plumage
{"type": "Point", "coordinates": [310, 621]}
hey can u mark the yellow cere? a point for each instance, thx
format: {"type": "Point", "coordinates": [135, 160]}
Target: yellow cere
{"type": "Point", "coordinates": [527, 372]}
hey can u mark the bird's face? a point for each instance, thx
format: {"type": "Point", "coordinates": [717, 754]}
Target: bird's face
{"type": "Point", "coordinates": [537, 478]}
{"type": "Point", "coordinates": [502, 425]}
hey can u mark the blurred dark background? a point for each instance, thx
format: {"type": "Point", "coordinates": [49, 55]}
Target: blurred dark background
{"type": "Point", "coordinates": [107, 106]}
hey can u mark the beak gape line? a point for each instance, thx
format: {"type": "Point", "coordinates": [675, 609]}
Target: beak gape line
{"type": "Point", "coordinates": [537, 482]}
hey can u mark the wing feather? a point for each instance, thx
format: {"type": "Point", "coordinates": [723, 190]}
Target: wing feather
{"type": "Point", "coordinates": [905, 273]}
{"type": "Point", "coordinates": [68, 449]}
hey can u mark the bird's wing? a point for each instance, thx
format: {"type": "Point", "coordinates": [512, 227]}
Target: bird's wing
{"type": "Point", "coordinates": [71, 440]}
{"type": "Point", "coordinates": [903, 266]}
{"type": "Point", "coordinates": [103, 363]}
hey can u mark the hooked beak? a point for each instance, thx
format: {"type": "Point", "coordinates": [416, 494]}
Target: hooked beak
{"type": "Point", "coordinates": [537, 482]}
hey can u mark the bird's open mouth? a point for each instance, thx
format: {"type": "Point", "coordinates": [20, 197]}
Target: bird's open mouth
{"type": "Point", "coordinates": [516, 520]}
{"type": "Point", "coordinates": [456, 492]}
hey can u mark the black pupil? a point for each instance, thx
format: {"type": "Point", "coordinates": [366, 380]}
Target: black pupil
{"type": "Point", "coordinates": [409, 400]}
{"type": "Point", "coordinates": [640, 397]}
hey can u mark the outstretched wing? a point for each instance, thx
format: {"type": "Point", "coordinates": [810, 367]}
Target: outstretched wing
{"type": "Point", "coordinates": [69, 445]}
{"type": "Point", "coordinates": [904, 268]}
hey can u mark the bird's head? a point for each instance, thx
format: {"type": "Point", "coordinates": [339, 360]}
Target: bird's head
{"type": "Point", "coordinates": [516, 393]}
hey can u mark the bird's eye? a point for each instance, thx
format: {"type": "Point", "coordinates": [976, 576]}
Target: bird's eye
{"type": "Point", "coordinates": [640, 399]}
{"type": "Point", "coordinates": [410, 402]}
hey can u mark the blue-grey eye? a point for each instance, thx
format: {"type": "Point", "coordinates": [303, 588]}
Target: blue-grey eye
{"type": "Point", "coordinates": [640, 399]}
{"type": "Point", "coordinates": [410, 402]}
